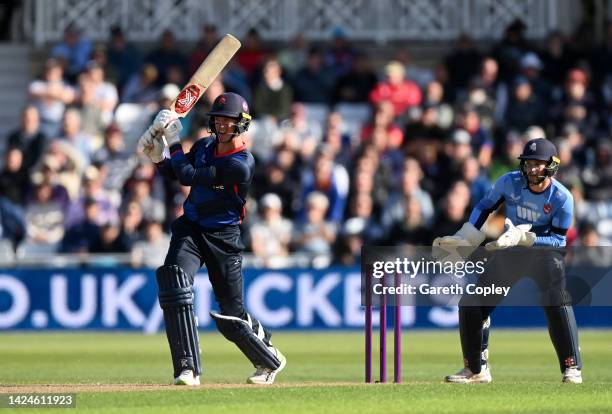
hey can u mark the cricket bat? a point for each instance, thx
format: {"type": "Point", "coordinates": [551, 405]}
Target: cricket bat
{"type": "Point", "coordinates": [214, 63]}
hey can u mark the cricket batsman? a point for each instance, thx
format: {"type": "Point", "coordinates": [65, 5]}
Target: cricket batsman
{"type": "Point", "coordinates": [539, 212]}
{"type": "Point", "coordinates": [219, 170]}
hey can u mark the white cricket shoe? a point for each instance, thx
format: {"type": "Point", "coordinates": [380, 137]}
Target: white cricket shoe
{"type": "Point", "coordinates": [572, 375]}
{"type": "Point", "coordinates": [187, 377]}
{"type": "Point", "coordinates": [265, 376]}
{"type": "Point", "coordinates": [466, 376]}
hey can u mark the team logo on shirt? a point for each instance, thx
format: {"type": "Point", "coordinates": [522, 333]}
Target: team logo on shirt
{"type": "Point", "coordinates": [547, 208]}
{"type": "Point", "coordinates": [527, 214]}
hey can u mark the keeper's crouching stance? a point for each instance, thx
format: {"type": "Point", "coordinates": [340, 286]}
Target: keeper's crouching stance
{"type": "Point", "coordinates": [219, 170]}
{"type": "Point", "coordinates": [539, 212]}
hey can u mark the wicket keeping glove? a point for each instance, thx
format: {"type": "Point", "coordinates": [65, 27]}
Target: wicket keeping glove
{"type": "Point", "coordinates": [513, 236]}
{"type": "Point", "coordinates": [168, 121]}
{"type": "Point", "coordinates": [151, 144]}
{"type": "Point", "coordinates": [468, 238]}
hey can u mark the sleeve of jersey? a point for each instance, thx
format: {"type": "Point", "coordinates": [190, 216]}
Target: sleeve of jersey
{"type": "Point", "coordinates": [186, 173]}
{"type": "Point", "coordinates": [489, 203]}
{"type": "Point", "coordinates": [164, 168]}
{"type": "Point", "coordinates": [561, 223]}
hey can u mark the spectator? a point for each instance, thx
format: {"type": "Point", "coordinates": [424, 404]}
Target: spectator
{"type": "Point", "coordinates": [315, 235]}
{"type": "Point", "coordinates": [85, 232]}
{"type": "Point", "coordinates": [402, 93]}
{"type": "Point", "coordinates": [151, 251]}
{"type": "Point", "coordinates": [106, 96]}
{"type": "Point", "coordinates": [455, 209]}
{"type": "Point", "coordinates": [294, 55]}
{"type": "Point", "coordinates": [251, 55]}
{"type": "Point", "coordinates": [361, 213]}
{"type": "Point", "coordinates": [28, 138]}
{"type": "Point", "coordinates": [139, 190]}
{"type": "Point", "coordinates": [524, 107]}
{"type": "Point", "coordinates": [166, 55]}
{"type": "Point", "coordinates": [117, 163]}
{"type": "Point", "coordinates": [44, 215]}
{"type": "Point", "coordinates": [340, 55]}
{"type": "Point", "coordinates": [555, 58]}
{"type": "Point", "coordinates": [331, 180]}
{"type": "Point", "coordinates": [597, 177]}
{"type": "Point", "coordinates": [462, 64]}
{"type": "Point", "coordinates": [75, 137]}
{"type": "Point", "coordinates": [92, 119]}
{"type": "Point", "coordinates": [106, 208]}
{"type": "Point", "coordinates": [356, 84]}
{"type": "Point", "coordinates": [531, 67]}
{"type": "Point", "coordinates": [73, 51]}
{"type": "Point", "coordinates": [14, 178]}
{"type": "Point", "coordinates": [270, 237]}
{"type": "Point", "coordinates": [384, 119]}
{"type": "Point", "coordinates": [508, 161]}
{"type": "Point", "coordinates": [12, 223]}
{"type": "Point", "coordinates": [337, 142]}
{"type": "Point", "coordinates": [273, 96]}
{"type": "Point", "coordinates": [314, 83]}
{"type": "Point", "coordinates": [435, 98]}
{"type": "Point", "coordinates": [66, 166]}
{"type": "Point", "coordinates": [412, 229]}
{"type": "Point", "coordinates": [142, 87]}
{"type": "Point", "coordinates": [209, 38]}
{"type": "Point", "coordinates": [301, 133]}
{"type": "Point", "coordinates": [50, 95]}
{"type": "Point", "coordinates": [397, 206]}
{"type": "Point", "coordinates": [480, 138]}
{"type": "Point", "coordinates": [510, 49]}
{"type": "Point", "coordinates": [124, 60]}
{"type": "Point", "coordinates": [575, 104]}
{"type": "Point", "coordinates": [113, 240]}
{"type": "Point", "coordinates": [131, 222]}
{"type": "Point", "coordinates": [474, 177]}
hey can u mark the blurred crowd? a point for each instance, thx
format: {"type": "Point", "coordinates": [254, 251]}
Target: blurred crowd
{"type": "Point", "coordinates": [347, 153]}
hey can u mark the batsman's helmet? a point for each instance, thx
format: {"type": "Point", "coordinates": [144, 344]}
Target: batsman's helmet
{"type": "Point", "coordinates": [231, 105]}
{"type": "Point", "coordinates": [543, 150]}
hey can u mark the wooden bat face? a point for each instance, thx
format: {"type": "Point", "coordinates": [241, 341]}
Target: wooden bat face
{"type": "Point", "coordinates": [214, 63]}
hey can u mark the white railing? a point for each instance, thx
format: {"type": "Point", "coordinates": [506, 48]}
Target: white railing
{"type": "Point", "coordinates": [373, 20]}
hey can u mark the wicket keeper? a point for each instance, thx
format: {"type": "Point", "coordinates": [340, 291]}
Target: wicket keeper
{"type": "Point", "coordinates": [219, 170]}
{"type": "Point", "coordinates": [539, 212]}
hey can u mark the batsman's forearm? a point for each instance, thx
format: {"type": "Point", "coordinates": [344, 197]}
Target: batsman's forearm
{"type": "Point", "coordinates": [186, 173]}
{"type": "Point", "coordinates": [164, 168]}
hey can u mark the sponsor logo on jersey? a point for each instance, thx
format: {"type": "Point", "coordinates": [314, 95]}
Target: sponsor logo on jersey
{"type": "Point", "coordinates": [547, 208]}
{"type": "Point", "coordinates": [527, 214]}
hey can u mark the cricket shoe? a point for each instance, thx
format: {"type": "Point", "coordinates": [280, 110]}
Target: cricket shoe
{"type": "Point", "coordinates": [572, 375]}
{"type": "Point", "coordinates": [466, 376]}
{"type": "Point", "coordinates": [265, 376]}
{"type": "Point", "coordinates": [187, 377]}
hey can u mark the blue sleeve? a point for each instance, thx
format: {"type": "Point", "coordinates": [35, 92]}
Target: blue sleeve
{"type": "Point", "coordinates": [186, 173]}
{"type": "Point", "coordinates": [164, 168]}
{"type": "Point", "coordinates": [489, 203]}
{"type": "Point", "coordinates": [233, 172]}
{"type": "Point", "coordinates": [561, 222]}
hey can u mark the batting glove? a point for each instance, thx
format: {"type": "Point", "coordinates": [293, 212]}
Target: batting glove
{"type": "Point", "coordinates": [170, 124]}
{"type": "Point", "coordinates": [151, 144]}
{"type": "Point", "coordinates": [513, 236]}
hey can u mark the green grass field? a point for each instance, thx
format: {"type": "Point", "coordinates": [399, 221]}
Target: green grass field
{"type": "Point", "coordinates": [129, 373]}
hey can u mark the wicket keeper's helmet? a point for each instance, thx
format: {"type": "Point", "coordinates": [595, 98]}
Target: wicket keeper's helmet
{"type": "Point", "coordinates": [231, 105]}
{"type": "Point", "coordinates": [543, 150]}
